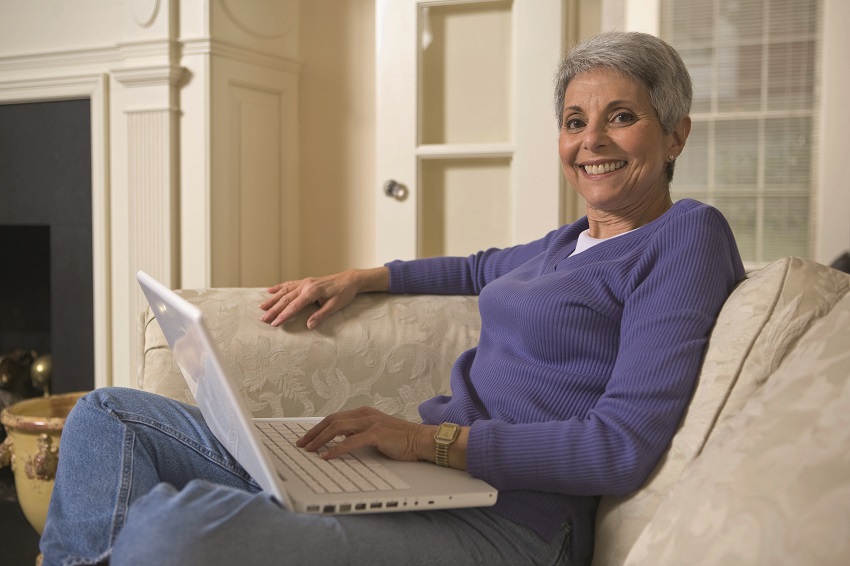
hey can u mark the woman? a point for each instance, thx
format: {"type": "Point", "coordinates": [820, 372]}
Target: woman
{"type": "Point", "coordinates": [590, 344]}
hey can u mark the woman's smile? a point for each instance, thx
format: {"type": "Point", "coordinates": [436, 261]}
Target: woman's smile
{"type": "Point", "coordinates": [602, 168]}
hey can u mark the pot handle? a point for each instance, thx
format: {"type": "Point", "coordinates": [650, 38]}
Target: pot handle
{"type": "Point", "coordinates": [6, 452]}
{"type": "Point", "coordinates": [43, 465]}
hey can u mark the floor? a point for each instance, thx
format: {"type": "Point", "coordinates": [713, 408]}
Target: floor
{"type": "Point", "coordinates": [18, 540]}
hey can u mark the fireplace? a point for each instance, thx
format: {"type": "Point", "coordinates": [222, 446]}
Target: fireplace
{"type": "Point", "coordinates": [46, 276]}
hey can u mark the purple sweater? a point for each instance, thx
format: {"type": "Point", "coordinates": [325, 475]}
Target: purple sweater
{"type": "Point", "coordinates": [585, 364]}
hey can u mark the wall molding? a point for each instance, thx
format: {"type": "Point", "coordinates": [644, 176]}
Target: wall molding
{"type": "Point", "coordinates": [113, 55]}
{"type": "Point", "coordinates": [149, 76]}
{"type": "Point", "coordinates": [144, 12]}
{"type": "Point", "coordinates": [219, 48]}
{"type": "Point", "coordinates": [59, 59]}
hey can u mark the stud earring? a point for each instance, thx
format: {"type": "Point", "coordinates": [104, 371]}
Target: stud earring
{"type": "Point", "coordinates": [671, 158]}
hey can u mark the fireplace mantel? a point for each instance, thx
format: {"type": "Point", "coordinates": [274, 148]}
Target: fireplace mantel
{"type": "Point", "coordinates": [194, 142]}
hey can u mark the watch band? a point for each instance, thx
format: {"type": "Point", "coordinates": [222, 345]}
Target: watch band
{"type": "Point", "coordinates": [445, 437]}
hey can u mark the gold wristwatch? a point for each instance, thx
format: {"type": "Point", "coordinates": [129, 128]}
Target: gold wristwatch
{"type": "Point", "coordinates": [445, 437]}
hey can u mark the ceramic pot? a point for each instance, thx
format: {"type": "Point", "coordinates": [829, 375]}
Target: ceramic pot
{"type": "Point", "coordinates": [32, 447]}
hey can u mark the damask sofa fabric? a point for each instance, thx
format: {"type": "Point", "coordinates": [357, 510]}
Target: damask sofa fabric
{"type": "Point", "coordinates": [773, 485]}
{"type": "Point", "coordinates": [763, 316]}
{"type": "Point", "coordinates": [762, 446]}
{"type": "Point", "coordinates": [389, 352]}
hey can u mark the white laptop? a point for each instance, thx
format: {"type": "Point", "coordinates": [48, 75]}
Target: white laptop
{"type": "Point", "coordinates": [365, 481]}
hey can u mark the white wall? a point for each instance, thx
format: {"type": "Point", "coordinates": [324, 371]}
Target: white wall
{"type": "Point", "coordinates": [337, 142]}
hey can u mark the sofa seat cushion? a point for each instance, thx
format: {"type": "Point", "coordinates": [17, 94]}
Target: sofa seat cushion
{"type": "Point", "coordinates": [387, 352]}
{"type": "Point", "coordinates": [763, 317]}
{"type": "Point", "coordinates": [773, 486]}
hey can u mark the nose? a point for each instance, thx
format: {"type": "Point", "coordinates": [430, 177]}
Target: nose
{"type": "Point", "coordinates": [595, 136]}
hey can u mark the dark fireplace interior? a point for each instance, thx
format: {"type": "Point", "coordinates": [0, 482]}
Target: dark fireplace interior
{"type": "Point", "coordinates": [46, 291]}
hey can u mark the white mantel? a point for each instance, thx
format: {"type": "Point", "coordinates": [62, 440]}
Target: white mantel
{"type": "Point", "coordinates": [194, 141]}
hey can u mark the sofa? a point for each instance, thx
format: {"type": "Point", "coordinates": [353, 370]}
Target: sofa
{"type": "Point", "coordinates": [758, 472]}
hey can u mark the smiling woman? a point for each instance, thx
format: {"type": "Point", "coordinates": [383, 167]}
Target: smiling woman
{"type": "Point", "coordinates": [588, 355]}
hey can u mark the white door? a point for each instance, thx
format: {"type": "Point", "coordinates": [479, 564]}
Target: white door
{"type": "Point", "coordinates": [466, 138]}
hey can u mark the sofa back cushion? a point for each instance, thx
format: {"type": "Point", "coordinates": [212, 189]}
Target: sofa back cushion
{"type": "Point", "coordinates": [389, 352]}
{"type": "Point", "coordinates": [763, 316]}
{"type": "Point", "coordinates": [773, 485]}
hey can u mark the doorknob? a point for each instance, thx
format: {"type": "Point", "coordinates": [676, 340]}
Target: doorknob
{"type": "Point", "coordinates": [394, 189]}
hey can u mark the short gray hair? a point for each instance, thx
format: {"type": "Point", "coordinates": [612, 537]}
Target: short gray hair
{"type": "Point", "coordinates": [639, 56]}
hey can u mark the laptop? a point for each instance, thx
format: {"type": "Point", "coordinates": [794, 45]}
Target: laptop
{"type": "Point", "coordinates": [365, 481]}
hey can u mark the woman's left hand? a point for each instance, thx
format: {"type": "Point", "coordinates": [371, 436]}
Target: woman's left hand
{"type": "Point", "coordinates": [396, 438]}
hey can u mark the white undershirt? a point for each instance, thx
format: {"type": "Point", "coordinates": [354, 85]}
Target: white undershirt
{"type": "Point", "coordinates": [586, 241]}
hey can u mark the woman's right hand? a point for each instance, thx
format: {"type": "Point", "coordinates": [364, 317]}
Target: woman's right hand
{"type": "Point", "coordinates": [331, 292]}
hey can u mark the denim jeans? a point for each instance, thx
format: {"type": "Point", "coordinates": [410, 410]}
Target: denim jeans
{"type": "Point", "coordinates": [142, 480]}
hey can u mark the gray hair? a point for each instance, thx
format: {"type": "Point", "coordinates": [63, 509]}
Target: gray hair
{"type": "Point", "coordinates": [639, 56]}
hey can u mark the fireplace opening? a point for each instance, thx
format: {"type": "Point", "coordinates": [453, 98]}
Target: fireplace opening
{"type": "Point", "coordinates": [46, 273]}
{"type": "Point", "coordinates": [25, 288]}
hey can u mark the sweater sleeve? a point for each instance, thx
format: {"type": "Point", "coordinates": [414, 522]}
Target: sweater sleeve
{"type": "Point", "coordinates": [463, 275]}
{"type": "Point", "coordinates": [680, 282]}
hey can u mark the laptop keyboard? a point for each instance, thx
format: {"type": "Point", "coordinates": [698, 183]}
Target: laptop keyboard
{"type": "Point", "coordinates": [346, 474]}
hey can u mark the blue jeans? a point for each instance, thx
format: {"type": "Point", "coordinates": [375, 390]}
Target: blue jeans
{"type": "Point", "coordinates": [142, 480]}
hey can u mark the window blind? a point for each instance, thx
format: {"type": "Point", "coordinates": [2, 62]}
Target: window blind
{"type": "Point", "coordinates": [753, 143]}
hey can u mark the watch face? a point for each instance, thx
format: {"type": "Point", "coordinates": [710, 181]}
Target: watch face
{"type": "Point", "coordinates": [447, 431]}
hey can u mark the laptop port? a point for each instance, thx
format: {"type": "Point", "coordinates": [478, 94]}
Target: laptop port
{"type": "Point", "coordinates": [344, 508]}
{"type": "Point", "coordinates": [392, 504]}
{"type": "Point", "coordinates": [312, 508]}
{"type": "Point", "coordinates": [375, 505]}
{"type": "Point", "coordinates": [359, 506]}
{"type": "Point", "coordinates": [329, 509]}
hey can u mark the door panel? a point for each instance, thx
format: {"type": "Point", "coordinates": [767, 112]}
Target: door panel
{"type": "Point", "coordinates": [466, 205]}
{"type": "Point", "coordinates": [465, 124]}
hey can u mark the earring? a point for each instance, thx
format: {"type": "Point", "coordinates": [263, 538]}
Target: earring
{"type": "Point", "coordinates": [671, 158]}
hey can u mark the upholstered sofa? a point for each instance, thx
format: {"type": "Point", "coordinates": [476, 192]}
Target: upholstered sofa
{"type": "Point", "coordinates": [758, 473]}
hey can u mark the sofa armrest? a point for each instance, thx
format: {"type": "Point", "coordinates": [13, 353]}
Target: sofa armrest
{"type": "Point", "coordinates": [387, 351]}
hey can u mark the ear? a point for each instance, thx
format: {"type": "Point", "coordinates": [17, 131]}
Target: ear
{"type": "Point", "coordinates": [679, 136]}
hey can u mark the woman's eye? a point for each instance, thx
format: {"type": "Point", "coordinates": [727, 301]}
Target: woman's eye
{"type": "Point", "coordinates": [623, 118]}
{"type": "Point", "coordinates": [574, 124]}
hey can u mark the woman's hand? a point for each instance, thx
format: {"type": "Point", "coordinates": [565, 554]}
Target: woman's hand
{"type": "Point", "coordinates": [332, 293]}
{"type": "Point", "coordinates": [396, 438]}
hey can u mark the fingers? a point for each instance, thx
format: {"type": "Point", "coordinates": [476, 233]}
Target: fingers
{"type": "Point", "coordinates": [276, 292]}
{"type": "Point", "coordinates": [337, 424]}
{"type": "Point", "coordinates": [363, 427]}
{"type": "Point", "coordinates": [314, 432]}
{"type": "Point", "coordinates": [327, 309]}
{"type": "Point", "coordinates": [275, 307]}
{"type": "Point", "coordinates": [289, 306]}
{"type": "Point", "coordinates": [288, 299]}
{"type": "Point", "coordinates": [332, 293]}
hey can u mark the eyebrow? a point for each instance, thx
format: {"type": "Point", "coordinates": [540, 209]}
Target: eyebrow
{"type": "Point", "coordinates": [618, 102]}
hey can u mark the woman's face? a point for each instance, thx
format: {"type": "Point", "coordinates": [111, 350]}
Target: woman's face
{"type": "Point", "coordinates": [613, 149]}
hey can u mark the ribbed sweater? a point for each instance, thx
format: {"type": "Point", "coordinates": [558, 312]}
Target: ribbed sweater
{"type": "Point", "coordinates": [585, 364]}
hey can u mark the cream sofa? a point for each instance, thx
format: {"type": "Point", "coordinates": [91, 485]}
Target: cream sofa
{"type": "Point", "coordinates": [758, 473]}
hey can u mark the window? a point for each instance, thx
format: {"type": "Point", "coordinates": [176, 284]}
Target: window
{"type": "Point", "coordinates": [752, 151]}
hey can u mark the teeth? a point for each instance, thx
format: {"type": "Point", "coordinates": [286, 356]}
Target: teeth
{"type": "Point", "coordinates": [603, 168]}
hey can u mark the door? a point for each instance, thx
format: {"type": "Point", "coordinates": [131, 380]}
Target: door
{"type": "Point", "coordinates": [466, 138]}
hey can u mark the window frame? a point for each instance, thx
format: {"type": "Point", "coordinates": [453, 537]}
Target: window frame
{"type": "Point", "coordinates": [830, 197]}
